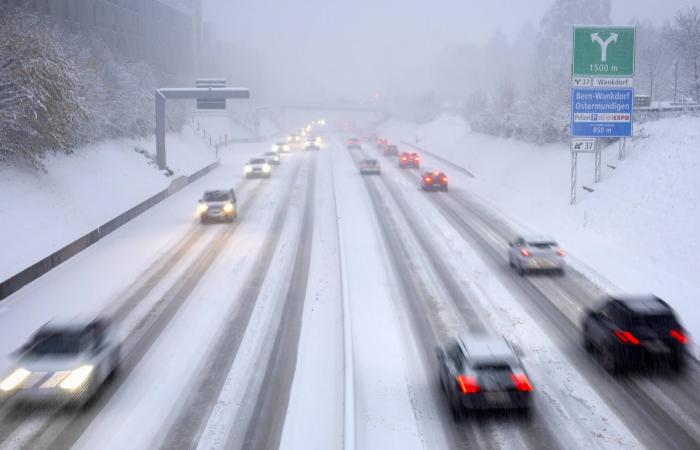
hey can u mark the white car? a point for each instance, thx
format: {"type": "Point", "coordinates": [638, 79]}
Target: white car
{"type": "Point", "coordinates": [536, 253]}
{"type": "Point", "coordinates": [63, 362]}
{"type": "Point", "coordinates": [281, 147]}
{"type": "Point", "coordinates": [257, 167]}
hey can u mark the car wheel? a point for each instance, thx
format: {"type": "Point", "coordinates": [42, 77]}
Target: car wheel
{"type": "Point", "coordinates": [610, 363]}
{"type": "Point", "coordinates": [587, 343]}
{"type": "Point", "coordinates": [678, 364]}
{"type": "Point", "coordinates": [456, 410]}
{"type": "Point", "coordinates": [521, 270]}
{"type": "Point", "coordinates": [203, 219]}
{"type": "Point", "coordinates": [444, 189]}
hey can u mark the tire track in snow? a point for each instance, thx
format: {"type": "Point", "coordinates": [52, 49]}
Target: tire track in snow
{"type": "Point", "coordinates": [64, 427]}
{"type": "Point", "coordinates": [186, 430]}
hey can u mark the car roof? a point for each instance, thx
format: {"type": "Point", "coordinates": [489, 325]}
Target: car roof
{"type": "Point", "coordinates": [75, 324]}
{"type": "Point", "coordinates": [643, 304]}
{"type": "Point", "coordinates": [538, 238]}
{"type": "Point", "coordinates": [487, 348]}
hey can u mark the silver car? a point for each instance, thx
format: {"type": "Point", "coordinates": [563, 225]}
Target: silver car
{"type": "Point", "coordinates": [63, 363]}
{"type": "Point", "coordinates": [218, 205]}
{"type": "Point", "coordinates": [257, 167]}
{"type": "Point", "coordinates": [536, 253]}
{"type": "Point", "coordinates": [370, 166]}
{"type": "Point", "coordinates": [481, 372]}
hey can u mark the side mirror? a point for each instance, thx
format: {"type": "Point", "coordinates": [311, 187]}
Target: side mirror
{"type": "Point", "coordinates": [201, 200]}
{"type": "Point", "coordinates": [510, 244]}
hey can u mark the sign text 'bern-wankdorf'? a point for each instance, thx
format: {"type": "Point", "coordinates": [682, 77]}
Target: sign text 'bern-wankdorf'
{"type": "Point", "coordinates": [601, 86]}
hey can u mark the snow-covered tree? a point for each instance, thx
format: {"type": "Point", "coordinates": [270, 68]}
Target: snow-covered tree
{"type": "Point", "coordinates": [40, 108]}
{"type": "Point", "coordinates": [684, 34]}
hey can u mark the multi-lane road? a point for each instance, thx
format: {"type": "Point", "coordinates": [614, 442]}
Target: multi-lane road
{"type": "Point", "coordinates": [234, 334]}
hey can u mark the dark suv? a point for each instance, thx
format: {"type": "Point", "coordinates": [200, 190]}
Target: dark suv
{"type": "Point", "coordinates": [628, 331]}
{"type": "Point", "coordinates": [483, 373]}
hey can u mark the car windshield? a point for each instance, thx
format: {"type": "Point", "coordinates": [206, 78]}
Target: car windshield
{"type": "Point", "coordinates": [542, 245]}
{"type": "Point", "coordinates": [217, 196]}
{"type": "Point", "coordinates": [64, 343]}
{"type": "Point", "coordinates": [257, 161]}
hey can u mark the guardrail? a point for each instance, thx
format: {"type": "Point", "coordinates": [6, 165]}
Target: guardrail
{"type": "Point", "coordinates": [41, 267]}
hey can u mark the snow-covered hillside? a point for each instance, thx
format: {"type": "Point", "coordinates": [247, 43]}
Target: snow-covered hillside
{"type": "Point", "coordinates": [637, 229]}
{"type": "Point", "coordinates": [45, 211]}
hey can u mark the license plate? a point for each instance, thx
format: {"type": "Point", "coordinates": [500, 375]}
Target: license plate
{"type": "Point", "coordinates": [655, 347]}
{"type": "Point", "coordinates": [497, 397]}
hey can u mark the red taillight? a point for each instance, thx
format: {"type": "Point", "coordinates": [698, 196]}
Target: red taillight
{"type": "Point", "coordinates": [560, 252]}
{"type": "Point", "coordinates": [428, 179]}
{"type": "Point", "coordinates": [680, 336]}
{"type": "Point", "coordinates": [521, 382]}
{"type": "Point", "coordinates": [626, 337]}
{"type": "Point", "coordinates": [403, 158]}
{"type": "Point", "coordinates": [468, 385]}
{"type": "Point", "coordinates": [444, 179]}
{"type": "Point", "coordinates": [524, 252]}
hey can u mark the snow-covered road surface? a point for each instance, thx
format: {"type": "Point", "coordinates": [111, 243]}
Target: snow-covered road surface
{"type": "Point", "coordinates": [233, 335]}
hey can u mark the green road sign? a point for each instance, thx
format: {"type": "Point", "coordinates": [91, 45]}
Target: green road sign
{"type": "Point", "coordinates": [603, 51]}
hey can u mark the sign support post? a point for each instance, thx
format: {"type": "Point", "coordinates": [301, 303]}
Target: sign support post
{"type": "Point", "coordinates": [574, 169]}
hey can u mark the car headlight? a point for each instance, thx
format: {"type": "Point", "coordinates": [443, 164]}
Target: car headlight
{"type": "Point", "coordinates": [248, 169]}
{"type": "Point", "coordinates": [76, 378]}
{"type": "Point", "coordinates": [286, 147]}
{"type": "Point", "coordinates": [266, 168]}
{"type": "Point", "coordinates": [228, 207]}
{"type": "Point", "coordinates": [202, 208]}
{"type": "Point", "coordinates": [14, 380]}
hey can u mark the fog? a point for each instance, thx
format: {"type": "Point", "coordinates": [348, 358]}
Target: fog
{"type": "Point", "coordinates": [360, 49]}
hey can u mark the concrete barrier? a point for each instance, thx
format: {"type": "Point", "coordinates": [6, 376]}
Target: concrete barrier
{"type": "Point", "coordinates": [31, 273]}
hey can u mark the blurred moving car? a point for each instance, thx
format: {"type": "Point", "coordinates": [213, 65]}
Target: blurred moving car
{"type": "Point", "coordinates": [257, 167]}
{"type": "Point", "coordinates": [370, 167]}
{"type": "Point", "coordinates": [218, 205]}
{"type": "Point", "coordinates": [479, 372]}
{"type": "Point", "coordinates": [409, 160]}
{"type": "Point", "coordinates": [64, 362]}
{"type": "Point", "coordinates": [354, 143]}
{"type": "Point", "coordinates": [627, 331]}
{"type": "Point", "coordinates": [281, 147]}
{"type": "Point", "coordinates": [391, 150]}
{"type": "Point", "coordinates": [313, 144]}
{"type": "Point", "coordinates": [434, 181]}
{"type": "Point", "coordinates": [536, 253]}
{"type": "Point", "coordinates": [382, 143]}
{"type": "Point", "coordinates": [272, 158]}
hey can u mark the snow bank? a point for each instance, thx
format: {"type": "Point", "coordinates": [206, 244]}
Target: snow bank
{"type": "Point", "coordinates": [42, 212]}
{"type": "Point", "coordinates": [637, 229]}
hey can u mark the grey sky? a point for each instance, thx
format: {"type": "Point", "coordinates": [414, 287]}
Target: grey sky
{"type": "Point", "coordinates": [320, 45]}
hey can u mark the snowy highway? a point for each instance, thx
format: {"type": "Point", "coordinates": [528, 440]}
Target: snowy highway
{"type": "Point", "coordinates": [232, 334]}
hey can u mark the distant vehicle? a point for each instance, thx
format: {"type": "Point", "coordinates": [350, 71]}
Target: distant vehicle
{"type": "Point", "coordinates": [257, 167]}
{"type": "Point", "coordinates": [382, 142]}
{"type": "Point", "coordinates": [483, 373]}
{"type": "Point", "coordinates": [218, 205]}
{"type": "Point", "coordinates": [434, 181]}
{"type": "Point", "coordinates": [294, 138]}
{"type": "Point", "coordinates": [409, 160]}
{"type": "Point", "coordinates": [272, 158]}
{"type": "Point", "coordinates": [354, 143]}
{"type": "Point", "coordinates": [370, 167]}
{"type": "Point", "coordinates": [64, 362]}
{"type": "Point", "coordinates": [280, 147]}
{"type": "Point", "coordinates": [313, 144]}
{"type": "Point", "coordinates": [627, 331]}
{"type": "Point", "coordinates": [536, 253]}
{"type": "Point", "coordinates": [391, 150]}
